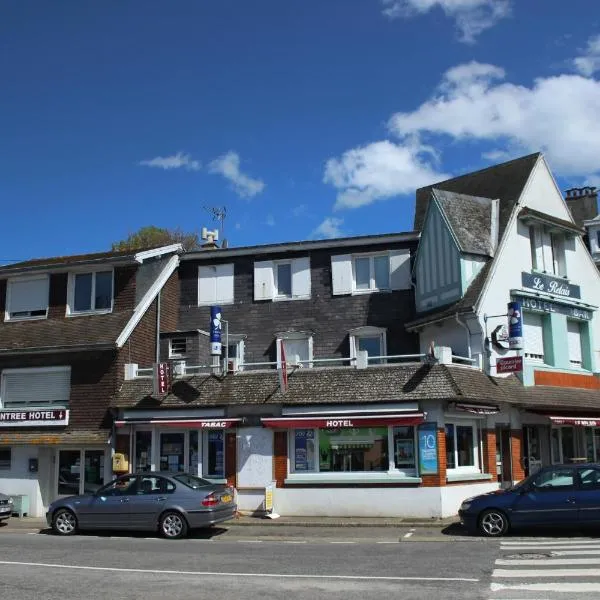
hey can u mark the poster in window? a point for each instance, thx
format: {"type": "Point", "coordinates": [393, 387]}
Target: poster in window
{"type": "Point", "coordinates": [304, 453]}
{"type": "Point", "coordinates": [405, 452]}
{"type": "Point", "coordinates": [216, 454]}
{"type": "Point", "coordinates": [428, 460]}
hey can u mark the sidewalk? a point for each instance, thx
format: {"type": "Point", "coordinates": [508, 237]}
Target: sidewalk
{"type": "Point", "coordinates": [36, 524]}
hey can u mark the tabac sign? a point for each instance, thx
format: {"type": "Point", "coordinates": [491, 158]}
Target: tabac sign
{"type": "Point", "coordinates": [35, 417]}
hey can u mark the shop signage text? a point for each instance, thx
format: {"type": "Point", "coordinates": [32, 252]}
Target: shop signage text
{"type": "Point", "coordinates": [577, 422]}
{"type": "Point", "coordinates": [428, 459]}
{"type": "Point", "coordinates": [550, 285]}
{"type": "Point", "coordinates": [510, 364]}
{"type": "Point", "coordinates": [548, 306]}
{"type": "Point", "coordinates": [340, 423]}
{"type": "Point", "coordinates": [162, 378]}
{"type": "Point", "coordinates": [215, 424]}
{"type": "Point", "coordinates": [33, 418]}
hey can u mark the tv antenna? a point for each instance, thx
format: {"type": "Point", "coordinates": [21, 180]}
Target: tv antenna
{"type": "Point", "coordinates": [218, 213]}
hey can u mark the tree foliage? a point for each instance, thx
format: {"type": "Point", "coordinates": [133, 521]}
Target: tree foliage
{"type": "Point", "coordinates": [151, 236]}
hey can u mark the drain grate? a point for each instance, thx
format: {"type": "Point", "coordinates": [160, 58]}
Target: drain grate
{"type": "Point", "coordinates": [529, 555]}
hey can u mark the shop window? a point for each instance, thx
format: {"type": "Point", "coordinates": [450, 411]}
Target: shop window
{"type": "Point", "coordinates": [574, 340]}
{"type": "Point", "coordinates": [592, 444]}
{"type": "Point", "coordinates": [563, 444]}
{"type": "Point", "coordinates": [172, 452]}
{"type": "Point", "coordinates": [193, 452]}
{"type": "Point", "coordinates": [533, 336]}
{"type": "Point", "coordinates": [462, 446]}
{"type": "Point", "coordinates": [215, 454]}
{"type": "Point", "coordinates": [143, 451]}
{"type": "Point", "coordinates": [178, 347]}
{"type": "Point", "coordinates": [350, 450]}
{"type": "Point", "coordinates": [404, 448]}
{"type": "Point", "coordinates": [5, 459]}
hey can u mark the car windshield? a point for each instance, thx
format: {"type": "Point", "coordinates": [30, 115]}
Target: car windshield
{"type": "Point", "coordinates": [191, 481]}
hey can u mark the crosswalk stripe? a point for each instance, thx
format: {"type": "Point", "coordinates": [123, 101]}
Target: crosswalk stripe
{"type": "Point", "coordinates": [576, 553]}
{"type": "Point", "coordinates": [559, 586]}
{"type": "Point", "coordinates": [549, 542]}
{"type": "Point", "coordinates": [544, 573]}
{"type": "Point", "coordinates": [546, 562]}
{"type": "Point", "coordinates": [549, 548]}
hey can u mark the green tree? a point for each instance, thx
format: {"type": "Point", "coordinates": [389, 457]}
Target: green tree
{"type": "Point", "coordinates": [151, 237]}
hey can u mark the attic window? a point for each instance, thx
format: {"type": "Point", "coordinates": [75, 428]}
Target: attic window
{"type": "Point", "coordinates": [27, 298]}
{"type": "Point", "coordinates": [178, 347]}
{"type": "Point", "coordinates": [90, 292]}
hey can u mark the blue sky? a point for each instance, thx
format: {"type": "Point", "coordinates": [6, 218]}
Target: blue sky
{"type": "Point", "coordinates": [305, 118]}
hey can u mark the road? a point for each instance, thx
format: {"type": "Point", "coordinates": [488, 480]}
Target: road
{"type": "Point", "coordinates": [298, 562]}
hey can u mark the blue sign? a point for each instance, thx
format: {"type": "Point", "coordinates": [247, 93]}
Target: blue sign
{"type": "Point", "coordinates": [515, 326]}
{"type": "Point", "coordinates": [547, 306]}
{"type": "Point", "coordinates": [428, 454]}
{"type": "Point", "coordinates": [216, 464]}
{"type": "Point", "coordinates": [550, 285]}
{"type": "Point", "coordinates": [215, 330]}
{"type": "Point", "coordinates": [304, 449]}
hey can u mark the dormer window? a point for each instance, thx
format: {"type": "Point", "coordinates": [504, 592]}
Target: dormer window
{"type": "Point", "coordinates": [27, 298]}
{"type": "Point", "coordinates": [90, 292]}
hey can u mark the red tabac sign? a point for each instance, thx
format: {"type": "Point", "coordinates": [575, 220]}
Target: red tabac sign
{"type": "Point", "coordinates": [512, 364]}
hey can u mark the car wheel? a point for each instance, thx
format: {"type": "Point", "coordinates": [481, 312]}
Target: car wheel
{"type": "Point", "coordinates": [173, 525]}
{"type": "Point", "coordinates": [493, 523]}
{"type": "Point", "coordinates": [64, 522]}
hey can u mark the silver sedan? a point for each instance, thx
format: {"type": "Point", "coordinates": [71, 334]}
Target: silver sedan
{"type": "Point", "coordinates": [6, 506]}
{"type": "Point", "coordinates": [172, 503]}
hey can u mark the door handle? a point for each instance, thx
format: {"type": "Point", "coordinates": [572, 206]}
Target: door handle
{"type": "Point", "coordinates": [571, 500]}
{"type": "Point", "coordinates": [124, 499]}
{"type": "Point", "coordinates": [161, 499]}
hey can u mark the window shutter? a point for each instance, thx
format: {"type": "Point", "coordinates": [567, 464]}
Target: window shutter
{"type": "Point", "coordinates": [29, 295]}
{"type": "Point", "coordinates": [207, 285]}
{"type": "Point", "coordinates": [533, 334]}
{"type": "Point", "coordinates": [341, 274]}
{"type": "Point", "coordinates": [263, 280]}
{"type": "Point", "coordinates": [400, 275]}
{"type": "Point", "coordinates": [224, 284]}
{"type": "Point", "coordinates": [36, 388]}
{"type": "Point", "coordinates": [574, 337]}
{"type": "Point", "coordinates": [301, 277]}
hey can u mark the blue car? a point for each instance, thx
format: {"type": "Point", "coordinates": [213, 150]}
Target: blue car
{"type": "Point", "coordinates": [566, 495]}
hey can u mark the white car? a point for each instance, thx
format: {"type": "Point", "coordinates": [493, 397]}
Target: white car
{"type": "Point", "coordinates": [6, 506]}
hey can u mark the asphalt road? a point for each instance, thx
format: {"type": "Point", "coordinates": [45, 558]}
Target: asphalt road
{"type": "Point", "coordinates": [301, 563]}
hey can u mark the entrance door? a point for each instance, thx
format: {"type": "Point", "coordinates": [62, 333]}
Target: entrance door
{"type": "Point", "coordinates": [533, 450]}
{"type": "Point", "coordinates": [172, 451]}
{"type": "Point", "coordinates": [503, 456]}
{"type": "Point", "coordinates": [69, 472]}
{"type": "Point", "coordinates": [93, 475]}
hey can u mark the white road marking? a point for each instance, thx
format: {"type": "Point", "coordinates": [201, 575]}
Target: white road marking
{"type": "Point", "coordinates": [548, 548]}
{"type": "Point", "coordinates": [576, 553]}
{"type": "Point", "coordinates": [342, 542]}
{"type": "Point", "coordinates": [546, 562]}
{"type": "Point", "coordinates": [409, 534]}
{"type": "Point", "coordinates": [229, 574]}
{"type": "Point", "coordinates": [549, 587]}
{"type": "Point", "coordinates": [249, 541]}
{"type": "Point", "coordinates": [545, 573]}
{"type": "Point", "coordinates": [391, 542]}
{"type": "Point", "coordinates": [295, 542]}
{"type": "Point", "coordinates": [548, 542]}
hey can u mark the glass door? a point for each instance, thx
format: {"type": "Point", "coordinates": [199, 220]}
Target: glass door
{"type": "Point", "coordinates": [93, 475]}
{"type": "Point", "coordinates": [172, 451]}
{"type": "Point", "coordinates": [69, 472]}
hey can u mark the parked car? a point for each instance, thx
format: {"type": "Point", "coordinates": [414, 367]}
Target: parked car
{"type": "Point", "coordinates": [563, 495]}
{"type": "Point", "coordinates": [6, 507]}
{"type": "Point", "coordinates": [172, 503]}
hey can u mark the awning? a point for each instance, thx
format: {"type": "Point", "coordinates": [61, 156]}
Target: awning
{"type": "Point", "coordinates": [477, 409]}
{"type": "Point", "coordinates": [335, 422]}
{"type": "Point", "coordinates": [575, 421]}
{"type": "Point", "coordinates": [199, 423]}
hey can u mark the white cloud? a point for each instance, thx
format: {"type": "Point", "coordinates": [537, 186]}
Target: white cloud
{"type": "Point", "coordinates": [329, 228]}
{"type": "Point", "coordinates": [558, 115]}
{"type": "Point", "coordinates": [270, 221]}
{"type": "Point", "coordinates": [471, 17]}
{"type": "Point", "coordinates": [228, 166]}
{"type": "Point", "coordinates": [299, 210]}
{"type": "Point", "coordinates": [589, 62]}
{"type": "Point", "coordinates": [176, 161]}
{"type": "Point", "coordinates": [380, 170]}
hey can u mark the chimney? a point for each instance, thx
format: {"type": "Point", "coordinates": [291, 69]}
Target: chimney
{"type": "Point", "coordinates": [583, 203]}
{"type": "Point", "coordinates": [210, 238]}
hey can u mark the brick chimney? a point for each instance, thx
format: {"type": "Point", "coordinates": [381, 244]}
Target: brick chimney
{"type": "Point", "coordinates": [583, 203]}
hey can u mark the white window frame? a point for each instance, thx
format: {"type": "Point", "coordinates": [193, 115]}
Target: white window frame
{"type": "Point", "coordinates": [372, 286]}
{"type": "Point", "coordinates": [295, 336]}
{"type": "Point", "coordinates": [477, 449]}
{"type": "Point", "coordinates": [9, 449]}
{"type": "Point", "coordinates": [367, 332]}
{"type": "Point", "coordinates": [533, 239]}
{"type": "Point", "coordinates": [276, 294]}
{"type": "Point", "coordinates": [10, 282]}
{"type": "Point", "coordinates": [172, 353]}
{"type": "Point", "coordinates": [216, 275]}
{"type": "Point", "coordinates": [31, 370]}
{"type": "Point", "coordinates": [71, 293]}
{"type": "Point", "coordinates": [557, 247]}
{"type": "Point", "coordinates": [238, 360]}
{"type": "Point", "coordinates": [535, 357]}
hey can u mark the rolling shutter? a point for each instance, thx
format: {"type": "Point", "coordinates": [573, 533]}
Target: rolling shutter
{"type": "Point", "coordinates": [533, 336]}
{"type": "Point", "coordinates": [29, 295]}
{"type": "Point", "coordinates": [301, 277]}
{"type": "Point", "coordinates": [225, 284]}
{"type": "Point", "coordinates": [574, 338]}
{"type": "Point", "coordinates": [207, 286]}
{"type": "Point", "coordinates": [400, 275]}
{"type": "Point", "coordinates": [25, 387]}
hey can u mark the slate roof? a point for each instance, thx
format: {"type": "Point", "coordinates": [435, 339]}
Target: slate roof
{"type": "Point", "coordinates": [383, 383]}
{"type": "Point", "coordinates": [85, 331]}
{"type": "Point", "coordinates": [470, 218]}
{"type": "Point", "coordinates": [504, 182]}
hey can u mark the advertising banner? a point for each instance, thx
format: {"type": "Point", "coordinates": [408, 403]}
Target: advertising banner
{"type": "Point", "coordinates": [215, 331]}
{"type": "Point", "coordinates": [515, 326]}
{"type": "Point", "coordinates": [428, 458]}
{"type": "Point", "coordinates": [510, 364]}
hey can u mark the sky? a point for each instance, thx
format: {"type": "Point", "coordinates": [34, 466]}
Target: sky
{"type": "Point", "coordinates": [306, 119]}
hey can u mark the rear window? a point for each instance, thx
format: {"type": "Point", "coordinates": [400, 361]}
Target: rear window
{"type": "Point", "coordinates": [191, 481]}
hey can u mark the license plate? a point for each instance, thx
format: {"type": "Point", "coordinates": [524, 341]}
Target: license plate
{"type": "Point", "coordinates": [4, 509]}
{"type": "Point", "coordinates": [226, 498]}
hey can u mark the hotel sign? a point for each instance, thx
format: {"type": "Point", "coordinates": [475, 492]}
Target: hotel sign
{"type": "Point", "coordinates": [550, 285]}
{"type": "Point", "coordinates": [547, 306]}
{"type": "Point", "coordinates": [34, 418]}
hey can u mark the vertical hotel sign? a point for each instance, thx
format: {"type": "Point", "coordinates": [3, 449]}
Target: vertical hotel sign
{"type": "Point", "coordinates": [162, 379]}
{"type": "Point", "coordinates": [215, 330]}
{"type": "Point", "coordinates": [515, 326]}
{"type": "Point", "coordinates": [428, 455]}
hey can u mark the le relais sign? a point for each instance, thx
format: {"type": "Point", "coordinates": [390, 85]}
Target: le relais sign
{"type": "Point", "coordinates": [550, 285]}
{"type": "Point", "coordinates": [34, 418]}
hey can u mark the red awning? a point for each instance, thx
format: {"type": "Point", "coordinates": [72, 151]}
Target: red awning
{"type": "Point", "coordinates": [576, 421]}
{"type": "Point", "coordinates": [199, 423]}
{"type": "Point", "coordinates": [336, 421]}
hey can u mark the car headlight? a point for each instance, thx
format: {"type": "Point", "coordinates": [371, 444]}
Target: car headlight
{"type": "Point", "coordinates": [465, 505]}
{"type": "Point", "coordinates": [11, 501]}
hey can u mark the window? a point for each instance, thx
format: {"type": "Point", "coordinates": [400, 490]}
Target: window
{"type": "Point", "coordinates": [574, 339]}
{"type": "Point", "coordinates": [123, 486]}
{"type": "Point", "coordinates": [215, 284]}
{"type": "Point", "coordinates": [404, 448]}
{"type": "Point", "coordinates": [533, 236]}
{"type": "Point", "coordinates": [178, 347]}
{"type": "Point", "coordinates": [49, 386]}
{"type": "Point", "coordinates": [304, 453]}
{"type": "Point", "coordinates": [557, 243]}
{"type": "Point", "coordinates": [590, 478]}
{"type": "Point", "coordinates": [285, 280]}
{"type": "Point", "coordinates": [5, 459]}
{"type": "Point", "coordinates": [356, 449]}
{"type": "Point", "coordinates": [462, 445]}
{"type": "Point", "coordinates": [215, 453]}
{"type": "Point", "coordinates": [151, 485]}
{"type": "Point", "coordinates": [592, 443]}
{"type": "Point", "coordinates": [372, 273]}
{"type": "Point", "coordinates": [533, 336]}
{"type": "Point", "coordinates": [90, 292]}
{"type": "Point", "coordinates": [27, 298]}
{"type": "Point", "coordinates": [143, 451]}
{"type": "Point", "coordinates": [552, 479]}
{"type": "Point", "coordinates": [298, 348]}
{"type": "Point", "coordinates": [234, 356]}
{"type": "Point", "coordinates": [371, 339]}
{"type": "Point", "coordinates": [563, 444]}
